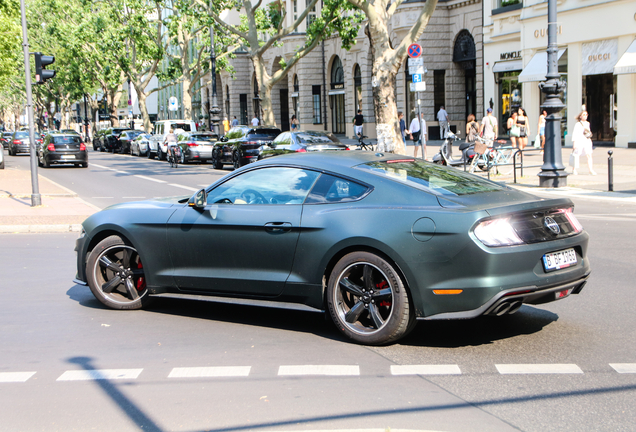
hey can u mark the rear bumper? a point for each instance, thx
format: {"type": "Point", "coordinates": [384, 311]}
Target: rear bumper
{"type": "Point", "coordinates": [21, 148]}
{"type": "Point", "coordinates": [64, 158]}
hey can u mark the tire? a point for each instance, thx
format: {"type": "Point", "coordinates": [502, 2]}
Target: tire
{"type": "Point", "coordinates": [216, 164]}
{"type": "Point", "coordinates": [161, 155]}
{"type": "Point", "coordinates": [2, 164]}
{"type": "Point", "coordinates": [40, 164]}
{"type": "Point", "coordinates": [356, 283]}
{"type": "Point", "coordinates": [84, 165]}
{"type": "Point", "coordinates": [45, 163]}
{"type": "Point", "coordinates": [183, 159]}
{"type": "Point", "coordinates": [149, 154]}
{"type": "Point", "coordinates": [236, 161]}
{"type": "Point", "coordinates": [115, 274]}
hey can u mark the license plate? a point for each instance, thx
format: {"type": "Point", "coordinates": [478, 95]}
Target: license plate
{"type": "Point", "coordinates": [559, 260]}
{"type": "Point", "coordinates": [68, 156]}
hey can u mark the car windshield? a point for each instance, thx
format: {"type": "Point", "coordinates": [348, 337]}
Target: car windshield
{"type": "Point", "coordinates": [315, 138]}
{"type": "Point", "coordinates": [67, 140]}
{"type": "Point", "coordinates": [134, 134]}
{"type": "Point", "coordinates": [267, 134]}
{"type": "Point", "coordinates": [431, 178]}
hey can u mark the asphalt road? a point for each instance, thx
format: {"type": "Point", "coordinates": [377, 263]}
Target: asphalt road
{"type": "Point", "coordinates": [164, 360]}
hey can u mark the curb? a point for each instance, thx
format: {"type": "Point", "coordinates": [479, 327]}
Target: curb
{"type": "Point", "coordinates": [21, 229]}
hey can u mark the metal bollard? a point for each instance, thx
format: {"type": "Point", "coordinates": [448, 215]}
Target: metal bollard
{"type": "Point", "coordinates": [610, 171]}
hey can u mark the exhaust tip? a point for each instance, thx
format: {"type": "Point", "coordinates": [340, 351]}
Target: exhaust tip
{"type": "Point", "coordinates": [514, 307]}
{"type": "Point", "coordinates": [502, 309]}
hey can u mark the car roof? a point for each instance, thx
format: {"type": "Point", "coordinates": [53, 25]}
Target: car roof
{"type": "Point", "coordinates": [331, 160]}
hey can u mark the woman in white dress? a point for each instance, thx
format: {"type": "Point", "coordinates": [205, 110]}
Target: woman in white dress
{"type": "Point", "coordinates": [581, 143]}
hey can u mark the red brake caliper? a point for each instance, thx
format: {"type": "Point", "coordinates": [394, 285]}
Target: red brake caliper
{"type": "Point", "coordinates": [382, 285]}
{"type": "Point", "coordinates": [141, 282]}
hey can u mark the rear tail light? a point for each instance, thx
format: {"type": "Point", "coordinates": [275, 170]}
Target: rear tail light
{"type": "Point", "coordinates": [302, 150]}
{"type": "Point", "coordinates": [574, 222]}
{"type": "Point", "coordinates": [347, 148]}
{"type": "Point", "coordinates": [192, 144]}
{"type": "Point", "coordinates": [82, 147]}
{"type": "Point", "coordinates": [17, 142]}
{"type": "Point", "coordinates": [51, 147]}
{"type": "Point", "coordinates": [497, 232]}
{"type": "Point", "coordinates": [251, 142]}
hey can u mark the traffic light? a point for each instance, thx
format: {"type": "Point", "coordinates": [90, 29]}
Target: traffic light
{"type": "Point", "coordinates": [41, 73]}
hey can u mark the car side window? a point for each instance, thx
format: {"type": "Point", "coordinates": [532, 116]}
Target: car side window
{"type": "Point", "coordinates": [274, 185]}
{"type": "Point", "coordinates": [331, 189]}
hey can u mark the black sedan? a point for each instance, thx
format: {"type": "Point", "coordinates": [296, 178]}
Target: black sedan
{"type": "Point", "coordinates": [126, 138]}
{"type": "Point", "coordinates": [5, 138]}
{"type": "Point", "coordinates": [378, 241]}
{"type": "Point", "coordinates": [60, 148]}
{"type": "Point", "coordinates": [301, 142]}
{"type": "Point", "coordinates": [19, 143]}
{"type": "Point", "coordinates": [241, 145]}
{"type": "Point", "coordinates": [110, 140]}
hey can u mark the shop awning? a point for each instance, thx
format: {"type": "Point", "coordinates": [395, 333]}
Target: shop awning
{"type": "Point", "coordinates": [627, 62]}
{"type": "Point", "coordinates": [507, 66]}
{"type": "Point", "coordinates": [537, 69]}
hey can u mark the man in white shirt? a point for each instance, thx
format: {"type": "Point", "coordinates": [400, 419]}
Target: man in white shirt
{"type": "Point", "coordinates": [255, 121]}
{"type": "Point", "coordinates": [442, 118]}
{"type": "Point", "coordinates": [489, 125]}
{"type": "Point", "coordinates": [418, 134]}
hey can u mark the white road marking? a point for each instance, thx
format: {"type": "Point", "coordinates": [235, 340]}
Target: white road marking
{"type": "Point", "coordinates": [425, 370]}
{"type": "Point", "coordinates": [624, 367]}
{"type": "Point", "coordinates": [110, 169]}
{"type": "Point", "coordinates": [8, 377]}
{"type": "Point", "coordinates": [318, 370]}
{"type": "Point", "coordinates": [538, 369]}
{"type": "Point", "coordinates": [133, 197]}
{"type": "Point", "coordinates": [216, 371]}
{"type": "Point", "coordinates": [99, 374]}
{"type": "Point", "coordinates": [149, 178]}
{"type": "Point", "coordinates": [183, 187]}
{"type": "Point", "coordinates": [103, 197]}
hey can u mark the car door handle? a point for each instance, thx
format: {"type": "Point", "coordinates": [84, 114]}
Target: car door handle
{"type": "Point", "coordinates": [278, 227]}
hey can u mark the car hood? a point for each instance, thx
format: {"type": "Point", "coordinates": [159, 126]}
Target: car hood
{"type": "Point", "coordinates": [164, 202]}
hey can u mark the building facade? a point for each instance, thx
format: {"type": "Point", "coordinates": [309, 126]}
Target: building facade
{"type": "Point", "coordinates": [597, 61]}
{"type": "Point", "coordinates": [327, 87]}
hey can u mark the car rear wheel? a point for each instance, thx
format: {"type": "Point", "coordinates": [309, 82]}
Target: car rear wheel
{"type": "Point", "coordinates": [183, 158]}
{"type": "Point", "coordinates": [236, 160]}
{"type": "Point", "coordinates": [368, 301]}
{"type": "Point", "coordinates": [115, 274]}
{"type": "Point", "coordinates": [149, 154]}
{"type": "Point", "coordinates": [216, 164]}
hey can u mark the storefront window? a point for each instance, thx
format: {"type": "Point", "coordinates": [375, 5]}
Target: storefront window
{"type": "Point", "coordinates": [510, 97]}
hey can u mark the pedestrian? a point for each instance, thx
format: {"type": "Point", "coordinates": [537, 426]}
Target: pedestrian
{"type": "Point", "coordinates": [488, 128]}
{"type": "Point", "coordinates": [581, 143]}
{"type": "Point", "coordinates": [541, 129]}
{"type": "Point", "coordinates": [472, 129]}
{"type": "Point", "coordinates": [234, 122]}
{"type": "Point", "coordinates": [513, 129]}
{"type": "Point", "coordinates": [295, 124]}
{"type": "Point", "coordinates": [442, 118]}
{"type": "Point", "coordinates": [255, 121]}
{"type": "Point", "coordinates": [403, 129]}
{"type": "Point", "coordinates": [358, 121]}
{"type": "Point", "coordinates": [524, 128]}
{"type": "Point", "coordinates": [226, 125]}
{"type": "Point", "coordinates": [418, 135]}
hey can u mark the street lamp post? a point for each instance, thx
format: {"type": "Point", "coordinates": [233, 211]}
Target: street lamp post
{"type": "Point", "coordinates": [215, 111]}
{"type": "Point", "coordinates": [552, 172]}
{"type": "Point", "coordinates": [86, 119]}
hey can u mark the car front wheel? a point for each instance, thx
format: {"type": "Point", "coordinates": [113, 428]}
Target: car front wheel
{"type": "Point", "coordinates": [368, 301]}
{"type": "Point", "coordinates": [115, 274]}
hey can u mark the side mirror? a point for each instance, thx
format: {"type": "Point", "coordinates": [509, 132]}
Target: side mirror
{"type": "Point", "coordinates": [198, 200]}
{"type": "Point", "coordinates": [223, 139]}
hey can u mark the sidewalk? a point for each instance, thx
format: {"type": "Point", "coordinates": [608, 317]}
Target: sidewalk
{"type": "Point", "coordinates": [61, 210]}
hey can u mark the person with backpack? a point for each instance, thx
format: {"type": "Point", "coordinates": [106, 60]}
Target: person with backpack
{"type": "Point", "coordinates": [488, 127]}
{"type": "Point", "coordinates": [472, 129]}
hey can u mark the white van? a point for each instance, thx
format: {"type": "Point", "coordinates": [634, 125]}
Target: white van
{"type": "Point", "coordinates": [162, 127]}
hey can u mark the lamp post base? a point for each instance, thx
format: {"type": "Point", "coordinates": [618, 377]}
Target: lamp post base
{"type": "Point", "coordinates": [552, 179]}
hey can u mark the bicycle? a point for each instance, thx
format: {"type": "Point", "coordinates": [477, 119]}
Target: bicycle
{"type": "Point", "coordinates": [362, 145]}
{"type": "Point", "coordinates": [490, 156]}
{"type": "Point", "coordinates": [173, 155]}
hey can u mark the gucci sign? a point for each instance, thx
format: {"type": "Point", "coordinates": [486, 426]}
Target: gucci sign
{"type": "Point", "coordinates": [542, 32]}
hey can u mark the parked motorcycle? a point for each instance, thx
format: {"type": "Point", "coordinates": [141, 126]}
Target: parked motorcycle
{"type": "Point", "coordinates": [445, 155]}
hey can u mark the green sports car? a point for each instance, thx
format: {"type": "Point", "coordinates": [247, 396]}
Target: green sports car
{"type": "Point", "coordinates": [378, 241]}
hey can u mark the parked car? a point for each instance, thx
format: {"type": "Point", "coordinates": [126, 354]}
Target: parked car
{"type": "Point", "coordinates": [110, 141]}
{"type": "Point", "coordinates": [197, 146]}
{"type": "Point", "coordinates": [377, 240]}
{"type": "Point", "coordinates": [19, 143]}
{"type": "Point", "coordinates": [98, 137]}
{"type": "Point", "coordinates": [157, 147]}
{"type": "Point", "coordinates": [126, 138]}
{"type": "Point", "coordinates": [73, 131]}
{"type": "Point", "coordinates": [62, 148]}
{"type": "Point", "coordinates": [301, 141]}
{"type": "Point", "coordinates": [139, 145]}
{"type": "Point", "coordinates": [241, 145]}
{"type": "Point", "coordinates": [1, 157]}
{"type": "Point", "coordinates": [6, 136]}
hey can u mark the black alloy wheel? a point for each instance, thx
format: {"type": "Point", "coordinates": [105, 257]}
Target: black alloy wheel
{"type": "Point", "coordinates": [216, 164]}
{"type": "Point", "coordinates": [368, 301]}
{"type": "Point", "coordinates": [115, 274]}
{"type": "Point", "coordinates": [236, 160]}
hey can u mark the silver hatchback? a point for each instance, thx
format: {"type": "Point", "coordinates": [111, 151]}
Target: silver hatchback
{"type": "Point", "coordinates": [197, 146]}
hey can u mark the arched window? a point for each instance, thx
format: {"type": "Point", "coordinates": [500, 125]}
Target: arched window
{"type": "Point", "coordinates": [357, 85]}
{"type": "Point", "coordinates": [296, 85]}
{"type": "Point", "coordinates": [337, 74]}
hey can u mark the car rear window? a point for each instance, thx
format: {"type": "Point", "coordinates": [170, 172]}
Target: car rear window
{"type": "Point", "coordinates": [183, 126]}
{"type": "Point", "coordinates": [21, 134]}
{"type": "Point", "coordinates": [268, 134]}
{"type": "Point", "coordinates": [315, 138]}
{"type": "Point", "coordinates": [202, 138]}
{"type": "Point", "coordinates": [67, 140]}
{"type": "Point", "coordinates": [430, 177]}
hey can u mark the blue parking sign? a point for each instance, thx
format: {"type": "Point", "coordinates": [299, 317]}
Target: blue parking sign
{"type": "Point", "coordinates": [417, 78]}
